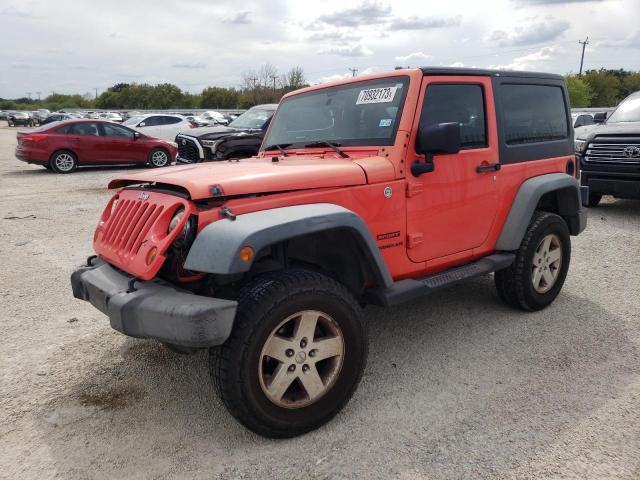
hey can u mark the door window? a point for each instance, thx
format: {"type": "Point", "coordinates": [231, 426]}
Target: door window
{"type": "Point", "coordinates": [116, 131]}
{"type": "Point", "coordinates": [90, 129]}
{"type": "Point", "coordinates": [459, 103]}
{"type": "Point", "coordinates": [150, 122]}
{"type": "Point", "coordinates": [170, 120]}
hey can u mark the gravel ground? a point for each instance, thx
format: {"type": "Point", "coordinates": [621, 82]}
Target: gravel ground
{"type": "Point", "coordinates": [457, 385]}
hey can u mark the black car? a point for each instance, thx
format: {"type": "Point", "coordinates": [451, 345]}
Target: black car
{"type": "Point", "coordinates": [20, 118]}
{"type": "Point", "coordinates": [610, 153]}
{"type": "Point", "coordinates": [240, 139]}
{"type": "Point", "coordinates": [57, 117]}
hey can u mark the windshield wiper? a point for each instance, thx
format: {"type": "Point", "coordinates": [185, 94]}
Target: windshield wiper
{"type": "Point", "coordinates": [334, 146]}
{"type": "Point", "coordinates": [280, 147]}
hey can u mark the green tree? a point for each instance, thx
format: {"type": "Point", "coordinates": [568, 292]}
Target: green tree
{"type": "Point", "coordinates": [217, 97]}
{"type": "Point", "coordinates": [605, 86]}
{"type": "Point", "coordinates": [580, 93]}
{"type": "Point", "coordinates": [630, 84]}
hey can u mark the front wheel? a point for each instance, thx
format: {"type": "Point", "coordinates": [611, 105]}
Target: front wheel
{"type": "Point", "coordinates": [159, 157]}
{"type": "Point", "coordinates": [295, 356]}
{"type": "Point", "coordinates": [536, 276]}
{"type": "Point", "coordinates": [594, 199]}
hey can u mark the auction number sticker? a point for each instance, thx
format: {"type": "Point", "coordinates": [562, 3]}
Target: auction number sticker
{"type": "Point", "coordinates": [376, 95]}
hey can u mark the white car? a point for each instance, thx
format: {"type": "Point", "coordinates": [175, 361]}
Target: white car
{"type": "Point", "coordinates": [111, 116]}
{"type": "Point", "coordinates": [216, 117]}
{"type": "Point", "coordinates": [159, 125]}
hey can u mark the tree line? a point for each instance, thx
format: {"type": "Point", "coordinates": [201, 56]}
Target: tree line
{"type": "Point", "coordinates": [601, 88]}
{"type": "Point", "coordinates": [595, 88]}
{"type": "Point", "coordinates": [265, 85]}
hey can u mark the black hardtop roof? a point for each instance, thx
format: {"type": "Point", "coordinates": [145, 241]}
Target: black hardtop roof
{"type": "Point", "coordinates": [492, 73]}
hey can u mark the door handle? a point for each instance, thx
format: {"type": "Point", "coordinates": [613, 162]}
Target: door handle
{"type": "Point", "coordinates": [488, 167]}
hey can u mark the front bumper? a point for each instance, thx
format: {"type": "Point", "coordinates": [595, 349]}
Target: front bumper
{"type": "Point", "coordinates": [151, 309]}
{"type": "Point", "coordinates": [618, 184]}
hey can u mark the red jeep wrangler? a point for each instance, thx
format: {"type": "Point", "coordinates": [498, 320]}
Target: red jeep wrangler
{"type": "Point", "coordinates": [373, 190]}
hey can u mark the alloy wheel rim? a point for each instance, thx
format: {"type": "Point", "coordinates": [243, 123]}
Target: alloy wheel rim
{"type": "Point", "coordinates": [301, 359]}
{"type": "Point", "coordinates": [64, 162]}
{"type": "Point", "coordinates": [547, 261]}
{"type": "Point", "coordinates": [159, 159]}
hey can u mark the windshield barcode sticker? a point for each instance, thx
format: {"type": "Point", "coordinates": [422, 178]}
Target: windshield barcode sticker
{"type": "Point", "coordinates": [376, 95]}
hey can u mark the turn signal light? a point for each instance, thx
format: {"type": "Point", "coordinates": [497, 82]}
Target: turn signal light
{"type": "Point", "coordinates": [246, 254]}
{"type": "Point", "coordinates": [151, 255]}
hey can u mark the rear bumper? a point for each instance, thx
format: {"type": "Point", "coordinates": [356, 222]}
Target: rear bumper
{"type": "Point", "coordinates": [623, 185]}
{"type": "Point", "coordinates": [29, 157]}
{"type": "Point", "coordinates": [152, 309]}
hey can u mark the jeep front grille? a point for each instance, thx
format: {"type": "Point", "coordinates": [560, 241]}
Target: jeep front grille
{"type": "Point", "coordinates": [613, 152]}
{"type": "Point", "coordinates": [188, 150]}
{"type": "Point", "coordinates": [129, 225]}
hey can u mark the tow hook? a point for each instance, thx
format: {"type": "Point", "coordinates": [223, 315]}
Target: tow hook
{"type": "Point", "coordinates": [226, 212]}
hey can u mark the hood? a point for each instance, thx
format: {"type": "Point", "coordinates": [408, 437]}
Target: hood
{"type": "Point", "coordinates": [262, 175]}
{"type": "Point", "coordinates": [212, 132]}
{"type": "Point", "coordinates": [590, 131]}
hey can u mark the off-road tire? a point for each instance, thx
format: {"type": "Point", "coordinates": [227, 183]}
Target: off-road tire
{"type": "Point", "coordinates": [70, 155]}
{"type": "Point", "coordinates": [594, 199]}
{"type": "Point", "coordinates": [514, 284]}
{"type": "Point", "coordinates": [262, 305]}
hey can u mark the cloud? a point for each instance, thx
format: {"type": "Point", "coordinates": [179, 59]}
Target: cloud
{"type": "Point", "coordinates": [415, 56]}
{"type": "Point", "coordinates": [535, 30]}
{"type": "Point", "coordinates": [332, 36]}
{"type": "Point", "coordinates": [417, 23]}
{"type": "Point", "coordinates": [15, 12]}
{"type": "Point", "coordinates": [530, 61]}
{"type": "Point", "coordinates": [555, 2]}
{"type": "Point", "coordinates": [240, 18]}
{"type": "Point", "coordinates": [457, 65]}
{"type": "Point", "coordinates": [357, 50]}
{"type": "Point", "coordinates": [630, 41]}
{"type": "Point", "coordinates": [367, 13]}
{"type": "Point", "coordinates": [344, 76]}
{"type": "Point", "coordinates": [190, 66]}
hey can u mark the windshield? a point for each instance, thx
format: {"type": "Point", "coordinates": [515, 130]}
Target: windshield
{"type": "Point", "coordinates": [133, 120]}
{"type": "Point", "coordinates": [627, 111]}
{"type": "Point", "coordinates": [253, 118]}
{"type": "Point", "coordinates": [362, 113]}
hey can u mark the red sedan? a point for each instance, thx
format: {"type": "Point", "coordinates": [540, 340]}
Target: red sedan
{"type": "Point", "coordinates": [63, 146]}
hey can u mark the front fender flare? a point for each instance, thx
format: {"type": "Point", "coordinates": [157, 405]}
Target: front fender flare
{"type": "Point", "coordinates": [216, 249]}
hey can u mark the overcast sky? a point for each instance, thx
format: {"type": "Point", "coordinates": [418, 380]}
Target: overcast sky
{"type": "Point", "coordinates": [72, 46]}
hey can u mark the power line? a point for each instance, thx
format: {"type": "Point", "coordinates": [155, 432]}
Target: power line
{"type": "Point", "coordinates": [584, 45]}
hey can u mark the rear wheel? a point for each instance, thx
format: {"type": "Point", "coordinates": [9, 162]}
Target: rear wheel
{"type": "Point", "coordinates": [159, 157]}
{"type": "Point", "coordinates": [295, 356]}
{"type": "Point", "coordinates": [536, 277]}
{"type": "Point", "coordinates": [594, 199]}
{"type": "Point", "coordinates": [64, 161]}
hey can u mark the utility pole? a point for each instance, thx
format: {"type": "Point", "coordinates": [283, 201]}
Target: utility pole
{"type": "Point", "coordinates": [254, 81]}
{"type": "Point", "coordinates": [38, 95]}
{"type": "Point", "coordinates": [353, 71]}
{"type": "Point", "coordinates": [29, 95]}
{"type": "Point", "coordinates": [274, 78]}
{"type": "Point", "coordinates": [584, 45]}
{"type": "Point", "coordinates": [96, 89]}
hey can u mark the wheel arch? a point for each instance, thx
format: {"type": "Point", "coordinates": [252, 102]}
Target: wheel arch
{"type": "Point", "coordinates": [554, 192]}
{"type": "Point", "coordinates": [326, 236]}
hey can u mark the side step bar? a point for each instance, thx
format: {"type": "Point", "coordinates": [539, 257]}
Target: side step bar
{"type": "Point", "coordinates": [412, 288]}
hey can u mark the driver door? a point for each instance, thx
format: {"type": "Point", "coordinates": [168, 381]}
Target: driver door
{"type": "Point", "coordinates": [450, 211]}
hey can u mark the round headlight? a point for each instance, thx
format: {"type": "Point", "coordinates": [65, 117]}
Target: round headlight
{"type": "Point", "coordinates": [176, 219]}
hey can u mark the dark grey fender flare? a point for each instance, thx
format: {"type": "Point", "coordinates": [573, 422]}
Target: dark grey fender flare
{"type": "Point", "coordinates": [216, 249]}
{"type": "Point", "coordinates": [526, 200]}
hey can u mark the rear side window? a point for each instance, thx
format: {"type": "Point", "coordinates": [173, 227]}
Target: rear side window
{"type": "Point", "coordinates": [90, 129]}
{"type": "Point", "coordinates": [459, 103]}
{"type": "Point", "coordinates": [170, 120]}
{"type": "Point", "coordinates": [533, 113]}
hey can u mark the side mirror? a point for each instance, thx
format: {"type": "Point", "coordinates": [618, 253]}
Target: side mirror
{"type": "Point", "coordinates": [600, 117]}
{"type": "Point", "coordinates": [440, 138]}
{"type": "Point", "coordinates": [142, 124]}
{"type": "Point", "coordinates": [136, 135]}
